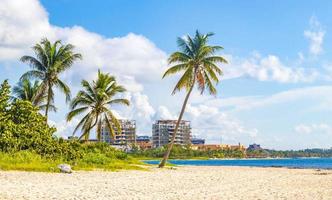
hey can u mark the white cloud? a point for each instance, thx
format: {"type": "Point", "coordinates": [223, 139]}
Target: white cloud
{"type": "Point", "coordinates": [22, 23]}
{"type": "Point", "coordinates": [315, 35]}
{"type": "Point", "coordinates": [64, 128]}
{"type": "Point", "coordinates": [316, 94]}
{"type": "Point", "coordinates": [133, 59]}
{"type": "Point", "coordinates": [213, 124]}
{"type": "Point", "coordinates": [269, 68]}
{"type": "Point", "coordinates": [313, 128]}
{"type": "Point", "coordinates": [140, 103]}
{"type": "Point", "coordinates": [164, 113]}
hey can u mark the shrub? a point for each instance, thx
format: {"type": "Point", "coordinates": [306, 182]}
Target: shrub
{"type": "Point", "coordinates": [22, 127]}
{"type": "Point", "coordinates": [27, 142]}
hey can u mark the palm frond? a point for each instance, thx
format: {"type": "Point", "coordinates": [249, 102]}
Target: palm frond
{"type": "Point", "coordinates": [209, 85]}
{"type": "Point", "coordinates": [119, 101]}
{"type": "Point", "coordinates": [33, 62]}
{"type": "Point", "coordinates": [32, 74]}
{"type": "Point", "coordinates": [109, 126]}
{"type": "Point", "coordinates": [178, 57]}
{"type": "Point", "coordinates": [185, 81]}
{"type": "Point", "coordinates": [175, 69]}
{"type": "Point", "coordinates": [76, 112]}
{"type": "Point", "coordinates": [64, 88]}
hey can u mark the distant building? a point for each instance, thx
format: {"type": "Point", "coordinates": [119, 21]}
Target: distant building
{"type": "Point", "coordinates": [144, 142]}
{"type": "Point", "coordinates": [197, 141]}
{"type": "Point", "coordinates": [73, 138]}
{"type": "Point", "coordinates": [125, 137]}
{"type": "Point", "coordinates": [162, 132]}
{"type": "Point", "coordinates": [254, 147]}
{"type": "Point", "coordinates": [143, 138]}
{"type": "Point", "coordinates": [213, 147]}
{"type": "Point", "coordinates": [207, 147]}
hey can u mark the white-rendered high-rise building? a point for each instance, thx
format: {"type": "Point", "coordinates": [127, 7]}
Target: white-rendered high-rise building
{"type": "Point", "coordinates": [162, 132]}
{"type": "Point", "coordinates": [127, 135]}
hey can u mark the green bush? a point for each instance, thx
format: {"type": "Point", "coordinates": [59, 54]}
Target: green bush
{"type": "Point", "coordinates": [22, 128]}
{"type": "Point", "coordinates": [27, 142]}
{"type": "Point", "coordinates": [185, 152]}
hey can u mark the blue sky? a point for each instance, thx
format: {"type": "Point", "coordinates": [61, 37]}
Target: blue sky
{"type": "Point", "coordinates": [276, 89]}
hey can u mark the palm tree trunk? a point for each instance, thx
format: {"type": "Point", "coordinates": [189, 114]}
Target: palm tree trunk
{"type": "Point", "coordinates": [87, 133]}
{"type": "Point", "coordinates": [48, 100]}
{"type": "Point", "coordinates": [170, 145]}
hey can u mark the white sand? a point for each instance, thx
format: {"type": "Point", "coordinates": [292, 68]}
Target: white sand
{"type": "Point", "coordinates": [182, 183]}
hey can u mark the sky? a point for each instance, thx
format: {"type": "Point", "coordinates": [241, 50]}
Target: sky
{"type": "Point", "coordinates": [276, 89]}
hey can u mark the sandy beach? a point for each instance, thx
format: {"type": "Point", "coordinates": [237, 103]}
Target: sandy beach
{"type": "Point", "coordinates": [180, 183]}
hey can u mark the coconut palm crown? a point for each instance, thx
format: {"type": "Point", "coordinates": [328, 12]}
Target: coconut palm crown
{"type": "Point", "coordinates": [96, 100]}
{"type": "Point", "coordinates": [27, 90]}
{"type": "Point", "coordinates": [50, 62]}
{"type": "Point", "coordinates": [198, 62]}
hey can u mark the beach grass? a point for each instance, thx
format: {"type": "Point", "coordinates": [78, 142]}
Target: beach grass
{"type": "Point", "coordinates": [27, 161]}
{"type": "Point", "coordinates": [30, 161]}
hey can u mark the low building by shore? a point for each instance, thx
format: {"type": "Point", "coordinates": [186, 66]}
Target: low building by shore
{"type": "Point", "coordinates": [211, 147]}
{"type": "Point", "coordinates": [195, 140]}
{"type": "Point", "coordinates": [144, 142]}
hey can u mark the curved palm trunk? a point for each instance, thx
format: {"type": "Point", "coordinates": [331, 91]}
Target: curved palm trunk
{"type": "Point", "coordinates": [170, 145]}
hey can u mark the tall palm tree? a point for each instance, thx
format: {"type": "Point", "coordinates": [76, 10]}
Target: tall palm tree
{"type": "Point", "coordinates": [27, 90]}
{"type": "Point", "coordinates": [198, 61]}
{"type": "Point", "coordinates": [96, 99]}
{"type": "Point", "coordinates": [51, 60]}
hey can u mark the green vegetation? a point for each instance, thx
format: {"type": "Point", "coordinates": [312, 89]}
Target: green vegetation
{"type": "Point", "coordinates": [27, 161]}
{"type": "Point", "coordinates": [27, 142]}
{"type": "Point", "coordinates": [290, 153]}
{"type": "Point", "coordinates": [198, 61]}
{"type": "Point", "coordinates": [96, 98]}
{"type": "Point", "coordinates": [185, 152]}
{"type": "Point", "coordinates": [31, 161]}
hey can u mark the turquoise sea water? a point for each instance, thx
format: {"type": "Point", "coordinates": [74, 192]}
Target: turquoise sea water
{"type": "Point", "coordinates": [317, 163]}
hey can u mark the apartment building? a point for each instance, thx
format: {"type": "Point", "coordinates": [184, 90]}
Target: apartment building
{"type": "Point", "coordinates": [163, 130]}
{"type": "Point", "coordinates": [125, 137]}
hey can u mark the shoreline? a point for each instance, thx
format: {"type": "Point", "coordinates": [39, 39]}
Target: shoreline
{"type": "Point", "coordinates": [188, 182]}
{"type": "Point", "coordinates": [265, 158]}
{"type": "Point", "coordinates": [295, 163]}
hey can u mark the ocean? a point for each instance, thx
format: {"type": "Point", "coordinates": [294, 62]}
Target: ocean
{"type": "Point", "coordinates": [316, 163]}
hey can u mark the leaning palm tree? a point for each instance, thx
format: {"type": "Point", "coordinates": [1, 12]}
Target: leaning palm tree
{"type": "Point", "coordinates": [198, 61]}
{"type": "Point", "coordinates": [28, 90]}
{"type": "Point", "coordinates": [51, 60]}
{"type": "Point", "coordinates": [96, 100]}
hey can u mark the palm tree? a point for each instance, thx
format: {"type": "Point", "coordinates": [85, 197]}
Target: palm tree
{"type": "Point", "coordinates": [27, 90]}
{"type": "Point", "coordinates": [51, 60]}
{"type": "Point", "coordinates": [198, 61]}
{"type": "Point", "coordinates": [96, 98]}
